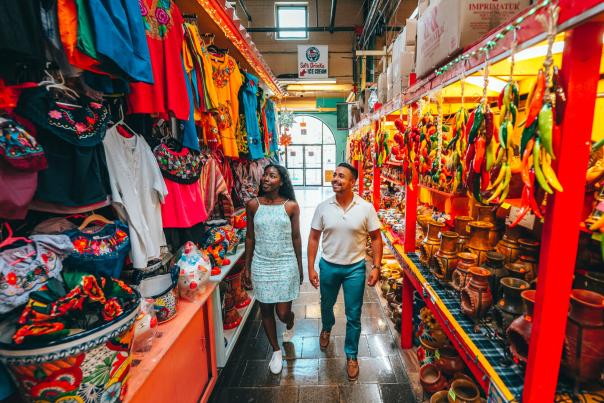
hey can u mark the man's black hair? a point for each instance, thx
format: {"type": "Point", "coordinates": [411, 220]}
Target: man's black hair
{"type": "Point", "coordinates": [352, 169]}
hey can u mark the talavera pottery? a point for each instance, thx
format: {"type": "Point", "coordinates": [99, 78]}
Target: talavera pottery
{"type": "Point", "coordinates": [479, 243]}
{"type": "Point", "coordinates": [430, 243]}
{"type": "Point", "coordinates": [91, 366]}
{"type": "Point", "coordinates": [584, 342]}
{"type": "Point", "coordinates": [494, 264]}
{"type": "Point", "coordinates": [463, 391]}
{"type": "Point", "coordinates": [476, 297]}
{"type": "Point", "coordinates": [445, 258]}
{"type": "Point", "coordinates": [449, 361]}
{"type": "Point", "coordinates": [529, 253]}
{"type": "Point", "coordinates": [463, 230]}
{"type": "Point", "coordinates": [519, 332]}
{"type": "Point", "coordinates": [510, 306]}
{"type": "Point", "coordinates": [460, 274]}
{"type": "Point", "coordinates": [432, 379]}
{"type": "Point", "coordinates": [166, 305]}
{"type": "Point", "coordinates": [508, 246]}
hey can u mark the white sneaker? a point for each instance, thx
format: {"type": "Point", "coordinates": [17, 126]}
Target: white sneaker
{"type": "Point", "coordinates": [276, 364]}
{"type": "Point", "coordinates": [288, 334]}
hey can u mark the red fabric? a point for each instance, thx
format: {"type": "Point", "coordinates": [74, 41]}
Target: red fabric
{"type": "Point", "coordinates": [183, 207]}
{"type": "Point", "coordinates": [168, 93]}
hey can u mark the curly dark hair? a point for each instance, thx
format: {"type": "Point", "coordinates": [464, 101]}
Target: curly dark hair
{"type": "Point", "coordinates": [286, 189]}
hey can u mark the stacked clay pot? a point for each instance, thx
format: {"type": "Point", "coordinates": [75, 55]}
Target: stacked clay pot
{"type": "Point", "coordinates": [519, 331]}
{"type": "Point", "coordinates": [479, 242]}
{"type": "Point", "coordinates": [445, 258]}
{"type": "Point", "coordinates": [459, 276]}
{"type": "Point", "coordinates": [430, 243]}
{"type": "Point", "coordinates": [510, 305]}
{"type": "Point", "coordinates": [476, 297]}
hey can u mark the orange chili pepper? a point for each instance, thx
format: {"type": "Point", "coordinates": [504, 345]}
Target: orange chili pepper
{"type": "Point", "coordinates": [536, 100]}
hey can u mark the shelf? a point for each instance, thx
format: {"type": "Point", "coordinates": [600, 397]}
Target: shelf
{"type": "Point", "coordinates": [170, 331]}
{"type": "Point", "coordinates": [393, 181]}
{"type": "Point", "coordinates": [482, 355]}
{"type": "Point", "coordinates": [224, 270]}
{"type": "Point", "coordinates": [232, 335]}
{"type": "Point", "coordinates": [441, 192]}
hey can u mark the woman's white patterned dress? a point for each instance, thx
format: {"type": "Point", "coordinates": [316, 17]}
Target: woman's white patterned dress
{"type": "Point", "coordinates": [274, 270]}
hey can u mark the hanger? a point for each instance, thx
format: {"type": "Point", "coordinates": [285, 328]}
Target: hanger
{"type": "Point", "coordinates": [122, 124]}
{"type": "Point", "coordinates": [51, 83]}
{"type": "Point", "coordinates": [94, 218]}
{"type": "Point", "coordinates": [10, 239]}
{"type": "Point", "coordinates": [215, 49]}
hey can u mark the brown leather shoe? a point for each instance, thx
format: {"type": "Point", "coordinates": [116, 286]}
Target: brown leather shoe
{"type": "Point", "coordinates": [324, 339]}
{"type": "Point", "coordinates": [352, 367]}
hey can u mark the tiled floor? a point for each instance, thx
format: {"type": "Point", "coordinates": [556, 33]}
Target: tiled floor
{"type": "Point", "coordinates": [310, 375]}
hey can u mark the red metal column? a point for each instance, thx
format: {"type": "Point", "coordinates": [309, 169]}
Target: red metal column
{"type": "Point", "coordinates": [580, 70]}
{"type": "Point", "coordinates": [407, 314]}
{"type": "Point", "coordinates": [361, 177]}
{"type": "Point", "coordinates": [377, 187]}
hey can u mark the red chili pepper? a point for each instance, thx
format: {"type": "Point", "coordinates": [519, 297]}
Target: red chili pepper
{"type": "Point", "coordinates": [489, 126]}
{"type": "Point", "coordinates": [536, 100]}
{"type": "Point", "coordinates": [525, 163]}
{"type": "Point", "coordinates": [469, 125]}
{"type": "Point", "coordinates": [469, 157]}
{"type": "Point", "coordinates": [485, 177]}
{"type": "Point", "coordinates": [524, 207]}
{"type": "Point", "coordinates": [480, 152]}
{"type": "Point", "coordinates": [532, 201]}
{"type": "Point", "coordinates": [399, 125]}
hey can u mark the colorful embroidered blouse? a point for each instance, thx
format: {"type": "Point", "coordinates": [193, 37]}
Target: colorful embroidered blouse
{"type": "Point", "coordinates": [182, 167]}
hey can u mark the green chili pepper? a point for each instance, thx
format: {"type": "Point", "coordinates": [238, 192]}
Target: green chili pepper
{"type": "Point", "coordinates": [478, 118]}
{"type": "Point", "coordinates": [527, 134]}
{"type": "Point", "coordinates": [514, 112]}
{"type": "Point", "coordinates": [537, 166]}
{"type": "Point", "coordinates": [546, 125]}
{"type": "Point", "coordinates": [476, 189]}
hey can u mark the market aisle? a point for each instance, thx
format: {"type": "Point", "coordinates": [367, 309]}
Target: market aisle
{"type": "Point", "coordinates": [311, 375]}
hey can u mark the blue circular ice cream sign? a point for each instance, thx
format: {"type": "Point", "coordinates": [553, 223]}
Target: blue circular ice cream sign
{"type": "Point", "coordinates": [313, 54]}
{"type": "Point", "coordinates": [312, 61]}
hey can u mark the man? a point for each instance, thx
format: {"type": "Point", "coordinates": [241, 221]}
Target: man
{"type": "Point", "coordinates": [345, 220]}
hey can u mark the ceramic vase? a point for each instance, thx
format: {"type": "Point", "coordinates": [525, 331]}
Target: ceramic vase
{"type": "Point", "coordinates": [431, 379]}
{"type": "Point", "coordinates": [463, 230]}
{"type": "Point", "coordinates": [430, 243]}
{"type": "Point", "coordinates": [489, 214]}
{"type": "Point", "coordinates": [517, 270]}
{"type": "Point", "coordinates": [230, 315]}
{"type": "Point", "coordinates": [584, 341]}
{"type": "Point", "coordinates": [479, 243]}
{"type": "Point", "coordinates": [519, 331]}
{"type": "Point", "coordinates": [494, 264]}
{"type": "Point", "coordinates": [242, 299]}
{"type": "Point", "coordinates": [509, 306]}
{"type": "Point", "coordinates": [476, 297]}
{"type": "Point", "coordinates": [529, 254]}
{"type": "Point", "coordinates": [460, 274]}
{"type": "Point", "coordinates": [463, 391]}
{"type": "Point", "coordinates": [440, 397]}
{"type": "Point", "coordinates": [508, 245]}
{"type": "Point", "coordinates": [445, 258]}
{"type": "Point", "coordinates": [449, 361]}
{"type": "Point", "coordinates": [91, 366]}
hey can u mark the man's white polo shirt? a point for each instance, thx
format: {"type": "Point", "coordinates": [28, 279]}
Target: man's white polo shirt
{"type": "Point", "coordinates": [345, 231]}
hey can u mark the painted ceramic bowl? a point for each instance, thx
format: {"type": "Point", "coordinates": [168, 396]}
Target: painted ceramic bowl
{"type": "Point", "coordinates": [165, 305]}
{"type": "Point", "coordinates": [91, 366]}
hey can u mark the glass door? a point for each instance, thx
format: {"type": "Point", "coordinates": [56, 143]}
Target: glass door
{"type": "Point", "coordinates": [313, 168]}
{"type": "Point", "coordinates": [294, 162]}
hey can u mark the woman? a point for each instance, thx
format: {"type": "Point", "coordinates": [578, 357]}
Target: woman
{"type": "Point", "coordinates": [273, 255]}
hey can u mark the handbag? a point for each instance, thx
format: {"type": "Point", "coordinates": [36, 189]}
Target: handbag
{"type": "Point", "coordinates": [19, 149]}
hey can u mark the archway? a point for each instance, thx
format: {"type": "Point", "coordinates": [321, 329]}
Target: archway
{"type": "Point", "coordinates": [312, 153]}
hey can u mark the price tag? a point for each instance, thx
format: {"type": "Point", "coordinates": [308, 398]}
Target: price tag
{"type": "Point", "coordinates": [528, 221]}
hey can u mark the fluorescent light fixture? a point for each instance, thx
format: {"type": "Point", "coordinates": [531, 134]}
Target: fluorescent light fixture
{"type": "Point", "coordinates": [495, 84]}
{"type": "Point", "coordinates": [538, 51]}
{"type": "Point", "coordinates": [320, 87]}
{"type": "Point", "coordinates": [286, 81]}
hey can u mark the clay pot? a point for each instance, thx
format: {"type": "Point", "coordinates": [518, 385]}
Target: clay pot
{"type": "Point", "coordinates": [584, 342]}
{"type": "Point", "coordinates": [489, 214]}
{"type": "Point", "coordinates": [463, 391]}
{"type": "Point", "coordinates": [510, 306]}
{"type": "Point", "coordinates": [450, 362]}
{"type": "Point", "coordinates": [463, 230]}
{"type": "Point", "coordinates": [508, 246]}
{"type": "Point", "coordinates": [516, 270]}
{"type": "Point", "coordinates": [460, 274]}
{"type": "Point", "coordinates": [519, 331]}
{"type": "Point", "coordinates": [529, 254]}
{"type": "Point", "coordinates": [432, 379]}
{"type": "Point", "coordinates": [476, 297]}
{"type": "Point", "coordinates": [445, 258]}
{"type": "Point", "coordinates": [440, 397]}
{"type": "Point", "coordinates": [595, 282]}
{"type": "Point", "coordinates": [494, 264]}
{"type": "Point", "coordinates": [430, 243]}
{"type": "Point", "coordinates": [479, 243]}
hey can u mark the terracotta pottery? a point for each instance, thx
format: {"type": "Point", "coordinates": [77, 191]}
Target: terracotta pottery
{"type": "Point", "coordinates": [584, 342]}
{"type": "Point", "coordinates": [476, 297]}
{"type": "Point", "coordinates": [230, 315]}
{"type": "Point", "coordinates": [519, 331]}
{"type": "Point", "coordinates": [489, 214]}
{"type": "Point", "coordinates": [440, 397]}
{"type": "Point", "coordinates": [516, 270]}
{"type": "Point", "coordinates": [242, 299]}
{"type": "Point", "coordinates": [430, 243]}
{"type": "Point", "coordinates": [460, 274]}
{"type": "Point", "coordinates": [479, 243]}
{"type": "Point", "coordinates": [510, 306]}
{"type": "Point", "coordinates": [432, 379]}
{"type": "Point", "coordinates": [463, 230]}
{"type": "Point", "coordinates": [445, 258]}
{"type": "Point", "coordinates": [508, 246]}
{"type": "Point", "coordinates": [463, 391]}
{"type": "Point", "coordinates": [494, 264]}
{"type": "Point", "coordinates": [529, 254]}
{"type": "Point", "coordinates": [449, 361]}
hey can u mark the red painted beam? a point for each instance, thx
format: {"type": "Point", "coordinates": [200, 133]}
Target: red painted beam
{"type": "Point", "coordinates": [559, 242]}
{"type": "Point", "coordinates": [361, 177]}
{"type": "Point", "coordinates": [377, 187]}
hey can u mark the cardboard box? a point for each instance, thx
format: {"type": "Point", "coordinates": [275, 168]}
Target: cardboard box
{"type": "Point", "coordinates": [448, 26]}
